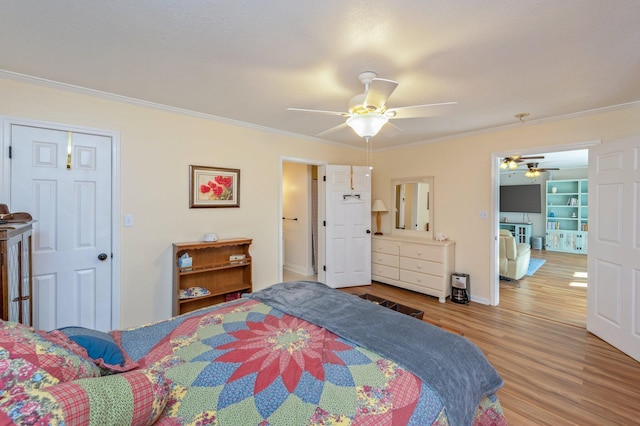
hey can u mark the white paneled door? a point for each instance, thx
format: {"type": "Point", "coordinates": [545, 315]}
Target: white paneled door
{"type": "Point", "coordinates": [348, 226]}
{"type": "Point", "coordinates": [64, 180]}
{"type": "Point", "coordinates": [613, 297]}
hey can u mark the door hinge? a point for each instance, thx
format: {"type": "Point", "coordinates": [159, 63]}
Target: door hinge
{"type": "Point", "coordinates": [324, 178]}
{"type": "Point", "coordinates": [324, 268]}
{"type": "Point", "coordinates": [10, 152]}
{"type": "Point", "coordinates": [324, 223]}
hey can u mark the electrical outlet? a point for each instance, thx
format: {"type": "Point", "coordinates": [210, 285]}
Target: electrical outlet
{"type": "Point", "coordinates": [128, 220]}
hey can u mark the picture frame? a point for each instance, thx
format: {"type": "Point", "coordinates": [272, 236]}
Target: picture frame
{"type": "Point", "coordinates": [211, 187]}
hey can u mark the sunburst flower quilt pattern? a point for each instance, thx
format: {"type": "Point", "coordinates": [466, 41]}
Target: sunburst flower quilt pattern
{"type": "Point", "coordinates": [248, 363]}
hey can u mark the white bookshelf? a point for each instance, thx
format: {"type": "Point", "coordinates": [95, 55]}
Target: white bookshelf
{"type": "Point", "coordinates": [567, 204]}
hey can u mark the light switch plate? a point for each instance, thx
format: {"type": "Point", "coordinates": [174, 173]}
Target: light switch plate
{"type": "Point", "coordinates": [128, 220]}
{"type": "Point", "coordinates": [483, 214]}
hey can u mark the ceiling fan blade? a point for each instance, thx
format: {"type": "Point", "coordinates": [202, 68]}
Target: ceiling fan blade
{"type": "Point", "coordinates": [390, 130]}
{"type": "Point", "coordinates": [415, 111]}
{"type": "Point", "coordinates": [332, 130]}
{"type": "Point", "coordinates": [379, 91]}
{"type": "Point", "coordinates": [544, 169]}
{"type": "Point", "coordinates": [319, 111]}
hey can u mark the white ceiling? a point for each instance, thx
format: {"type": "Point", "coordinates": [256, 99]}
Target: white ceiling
{"type": "Point", "coordinates": [249, 60]}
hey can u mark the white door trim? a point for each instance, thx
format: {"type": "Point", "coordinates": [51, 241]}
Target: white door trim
{"type": "Point", "coordinates": [5, 190]}
{"type": "Point", "coordinates": [494, 215]}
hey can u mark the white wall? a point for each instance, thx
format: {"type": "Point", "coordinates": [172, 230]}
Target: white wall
{"type": "Point", "coordinates": [157, 148]}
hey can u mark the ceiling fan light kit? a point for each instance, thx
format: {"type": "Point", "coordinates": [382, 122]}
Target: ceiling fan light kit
{"type": "Point", "coordinates": [367, 125]}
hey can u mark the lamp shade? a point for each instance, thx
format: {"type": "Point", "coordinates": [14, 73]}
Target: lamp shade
{"type": "Point", "coordinates": [378, 206]}
{"type": "Point", "coordinates": [367, 125]}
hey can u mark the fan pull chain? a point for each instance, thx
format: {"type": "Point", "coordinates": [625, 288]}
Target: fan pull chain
{"type": "Point", "coordinates": [369, 155]}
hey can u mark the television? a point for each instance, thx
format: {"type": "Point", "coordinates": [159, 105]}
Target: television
{"type": "Point", "coordinates": [520, 198]}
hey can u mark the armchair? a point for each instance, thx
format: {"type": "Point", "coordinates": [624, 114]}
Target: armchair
{"type": "Point", "coordinates": [514, 257]}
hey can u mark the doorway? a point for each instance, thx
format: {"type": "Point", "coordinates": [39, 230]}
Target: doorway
{"type": "Point", "coordinates": [299, 227]}
{"type": "Point", "coordinates": [561, 281]}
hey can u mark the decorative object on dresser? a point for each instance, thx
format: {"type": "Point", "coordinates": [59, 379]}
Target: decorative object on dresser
{"type": "Point", "coordinates": [216, 272]}
{"type": "Point", "coordinates": [15, 273]}
{"type": "Point", "coordinates": [416, 264]}
{"type": "Point", "coordinates": [567, 215]}
{"type": "Point", "coordinates": [213, 187]}
{"type": "Point", "coordinates": [378, 207]}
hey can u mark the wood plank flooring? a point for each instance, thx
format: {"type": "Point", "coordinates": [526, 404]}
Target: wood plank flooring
{"type": "Point", "coordinates": [557, 291]}
{"type": "Point", "coordinates": [555, 372]}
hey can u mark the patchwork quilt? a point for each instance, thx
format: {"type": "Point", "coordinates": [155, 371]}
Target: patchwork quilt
{"type": "Point", "coordinates": [246, 362]}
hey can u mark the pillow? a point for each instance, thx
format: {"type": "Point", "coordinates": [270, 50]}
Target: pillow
{"type": "Point", "coordinates": [97, 344]}
{"type": "Point", "coordinates": [100, 347]}
{"type": "Point", "coordinates": [135, 398]}
{"type": "Point", "coordinates": [31, 360]}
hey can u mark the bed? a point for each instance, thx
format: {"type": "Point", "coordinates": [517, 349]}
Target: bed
{"type": "Point", "coordinates": [296, 353]}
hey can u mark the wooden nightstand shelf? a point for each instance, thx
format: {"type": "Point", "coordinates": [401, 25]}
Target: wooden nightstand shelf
{"type": "Point", "coordinates": [213, 269]}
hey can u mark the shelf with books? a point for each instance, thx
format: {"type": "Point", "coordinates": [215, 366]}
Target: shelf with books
{"type": "Point", "coordinates": [567, 215]}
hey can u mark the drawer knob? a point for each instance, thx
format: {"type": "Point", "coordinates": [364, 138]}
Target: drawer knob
{"type": "Point", "coordinates": [419, 252]}
{"type": "Point", "coordinates": [419, 266]}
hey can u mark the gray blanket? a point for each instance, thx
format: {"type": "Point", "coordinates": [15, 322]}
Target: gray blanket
{"type": "Point", "coordinates": [450, 364]}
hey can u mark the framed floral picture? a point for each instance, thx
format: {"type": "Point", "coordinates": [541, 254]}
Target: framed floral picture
{"type": "Point", "coordinates": [213, 187]}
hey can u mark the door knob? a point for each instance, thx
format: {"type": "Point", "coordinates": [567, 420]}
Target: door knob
{"type": "Point", "coordinates": [102, 256]}
{"type": "Point", "coordinates": [368, 231]}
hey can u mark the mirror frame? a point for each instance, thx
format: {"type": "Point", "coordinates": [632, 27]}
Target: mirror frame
{"type": "Point", "coordinates": [409, 232]}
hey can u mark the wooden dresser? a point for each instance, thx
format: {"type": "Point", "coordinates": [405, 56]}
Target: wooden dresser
{"type": "Point", "coordinates": [15, 273]}
{"type": "Point", "coordinates": [416, 264]}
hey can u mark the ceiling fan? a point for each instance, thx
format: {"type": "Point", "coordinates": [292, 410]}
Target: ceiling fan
{"type": "Point", "coordinates": [368, 112]}
{"type": "Point", "coordinates": [513, 161]}
{"type": "Point", "coordinates": [534, 171]}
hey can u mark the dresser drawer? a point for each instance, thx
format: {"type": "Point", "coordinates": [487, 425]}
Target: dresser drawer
{"type": "Point", "coordinates": [421, 280]}
{"type": "Point", "coordinates": [385, 259]}
{"type": "Point", "coordinates": [384, 271]}
{"type": "Point", "coordinates": [383, 246]}
{"type": "Point", "coordinates": [422, 266]}
{"type": "Point", "coordinates": [422, 251]}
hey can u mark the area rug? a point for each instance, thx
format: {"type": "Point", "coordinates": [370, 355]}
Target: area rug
{"type": "Point", "coordinates": [534, 265]}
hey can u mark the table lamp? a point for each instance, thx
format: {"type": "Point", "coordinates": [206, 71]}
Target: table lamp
{"type": "Point", "coordinates": [378, 207]}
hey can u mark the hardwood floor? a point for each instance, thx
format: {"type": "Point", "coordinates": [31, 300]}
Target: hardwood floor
{"type": "Point", "coordinates": [557, 291]}
{"type": "Point", "coordinates": [555, 372]}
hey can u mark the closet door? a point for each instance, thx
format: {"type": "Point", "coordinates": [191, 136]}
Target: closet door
{"type": "Point", "coordinates": [348, 226]}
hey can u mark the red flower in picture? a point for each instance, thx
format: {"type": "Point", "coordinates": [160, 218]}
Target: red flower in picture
{"type": "Point", "coordinates": [282, 347]}
{"type": "Point", "coordinates": [225, 181]}
{"type": "Point", "coordinates": [220, 188]}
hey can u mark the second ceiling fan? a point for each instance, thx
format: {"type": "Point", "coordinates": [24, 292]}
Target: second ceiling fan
{"type": "Point", "coordinates": [534, 171]}
{"type": "Point", "coordinates": [368, 112]}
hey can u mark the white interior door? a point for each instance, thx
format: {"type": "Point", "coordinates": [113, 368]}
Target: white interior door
{"type": "Point", "coordinates": [613, 297]}
{"type": "Point", "coordinates": [348, 226]}
{"type": "Point", "coordinates": [64, 180]}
